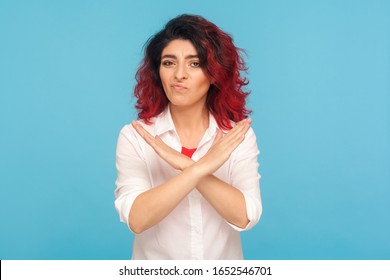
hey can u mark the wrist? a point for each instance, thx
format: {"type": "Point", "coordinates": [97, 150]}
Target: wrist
{"type": "Point", "coordinates": [197, 170]}
{"type": "Point", "coordinates": [185, 163]}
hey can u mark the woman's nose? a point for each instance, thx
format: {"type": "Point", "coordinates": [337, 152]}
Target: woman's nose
{"type": "Point", "coordinates": [181, 72]}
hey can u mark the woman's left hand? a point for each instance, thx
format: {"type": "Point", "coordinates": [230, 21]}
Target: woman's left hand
{"type": "Point", "coordinates": [172, 157]}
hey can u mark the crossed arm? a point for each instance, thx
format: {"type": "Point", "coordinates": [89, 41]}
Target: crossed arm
{"type": "Point", "coordinates": [150, 207]}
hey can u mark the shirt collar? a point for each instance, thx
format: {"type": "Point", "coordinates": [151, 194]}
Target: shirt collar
{"type": "Point", "coordinates": [212, 126]}
{"type": "Point", "coordinates": [164, 123]}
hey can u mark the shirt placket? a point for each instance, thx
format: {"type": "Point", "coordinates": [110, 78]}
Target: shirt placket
{"type": "Point", "coordinates": [195, 205]}
{"type": "Point", "coordinates": [195, 212]}
{"type": "Point", "coordinates": [196, 225]}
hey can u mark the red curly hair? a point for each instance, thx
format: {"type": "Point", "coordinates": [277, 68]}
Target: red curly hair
{"type": "Point", "coordinates": [218, 56]}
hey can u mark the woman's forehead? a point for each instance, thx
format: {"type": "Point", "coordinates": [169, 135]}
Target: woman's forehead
{"type": "Point", "coordinates": [179, 47]}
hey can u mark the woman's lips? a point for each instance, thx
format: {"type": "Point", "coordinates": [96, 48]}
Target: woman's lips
{"type": "Point", "coordinates": [178, 87]}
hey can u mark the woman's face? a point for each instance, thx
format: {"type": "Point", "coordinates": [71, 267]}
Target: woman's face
{"type": "Point", "coordinates": [183, 79]}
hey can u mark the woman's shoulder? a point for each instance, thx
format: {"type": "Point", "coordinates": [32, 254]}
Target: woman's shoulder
{"type": "Point", "coordinates": [128, 129]}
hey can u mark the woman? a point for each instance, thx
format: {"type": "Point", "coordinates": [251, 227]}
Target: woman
{"type": "Point", "coordinates": [188, 179]}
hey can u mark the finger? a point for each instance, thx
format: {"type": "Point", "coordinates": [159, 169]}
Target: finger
{"type": "Point", "coordinates": [236, 135]}
{"type": "Point", "coordinates": [144, 134]}
{"type": "Point", "coordinates": [159, 145]}
{"type": "Point", "coordinates": [140, 130]}
{"type": "Point", "coordinates": [245, 122]}
{"type": "Point", "coordinates": [239, 130]}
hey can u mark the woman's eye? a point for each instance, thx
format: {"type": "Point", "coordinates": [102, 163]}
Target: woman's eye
{"type": "Point", "coordinates": [167, 63]}
{"type": "Point", "coordinates": [195, 64]}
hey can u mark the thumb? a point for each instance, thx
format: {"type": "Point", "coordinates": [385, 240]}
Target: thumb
{"type": "Point", "coordinates": [218, 136]}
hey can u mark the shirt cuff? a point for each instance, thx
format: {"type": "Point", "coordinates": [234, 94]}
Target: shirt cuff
{"type": "Point", "coordinates": [253, 212]}
{"type": "Point", "coordinates": [123, 205]}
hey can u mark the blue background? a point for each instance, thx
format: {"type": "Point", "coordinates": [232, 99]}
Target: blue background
{"type": "Point", "coordinates": [319, 73]}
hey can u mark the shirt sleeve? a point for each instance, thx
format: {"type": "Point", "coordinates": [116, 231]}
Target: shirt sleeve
{"type": "Point", "coordinates": [245, 177]}
{"type": "Point", "coordinates": [133, 178]}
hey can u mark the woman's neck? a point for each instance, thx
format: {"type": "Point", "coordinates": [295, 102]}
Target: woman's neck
{"type": "Point", "coordinates": [190, 124]}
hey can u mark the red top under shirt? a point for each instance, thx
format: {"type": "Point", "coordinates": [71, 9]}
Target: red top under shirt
{"type": "Point", "coordinates": [188, 152]}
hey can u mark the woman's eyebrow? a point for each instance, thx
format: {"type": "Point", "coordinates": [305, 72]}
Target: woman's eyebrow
{"type": "Point", "coordinates": [190, 56]}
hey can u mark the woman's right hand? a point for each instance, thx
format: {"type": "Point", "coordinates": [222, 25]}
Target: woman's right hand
{"type": "Point", "coordinates": [172, 157]}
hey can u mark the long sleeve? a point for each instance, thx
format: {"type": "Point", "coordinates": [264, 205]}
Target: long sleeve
{"type": "Point", "coordinates": [245, 177]}
{"type": "Point", "coordinates": [133, 177]}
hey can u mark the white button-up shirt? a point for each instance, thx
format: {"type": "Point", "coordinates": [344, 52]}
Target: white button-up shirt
{"type": "Point", "coordinates": [193, 230]}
